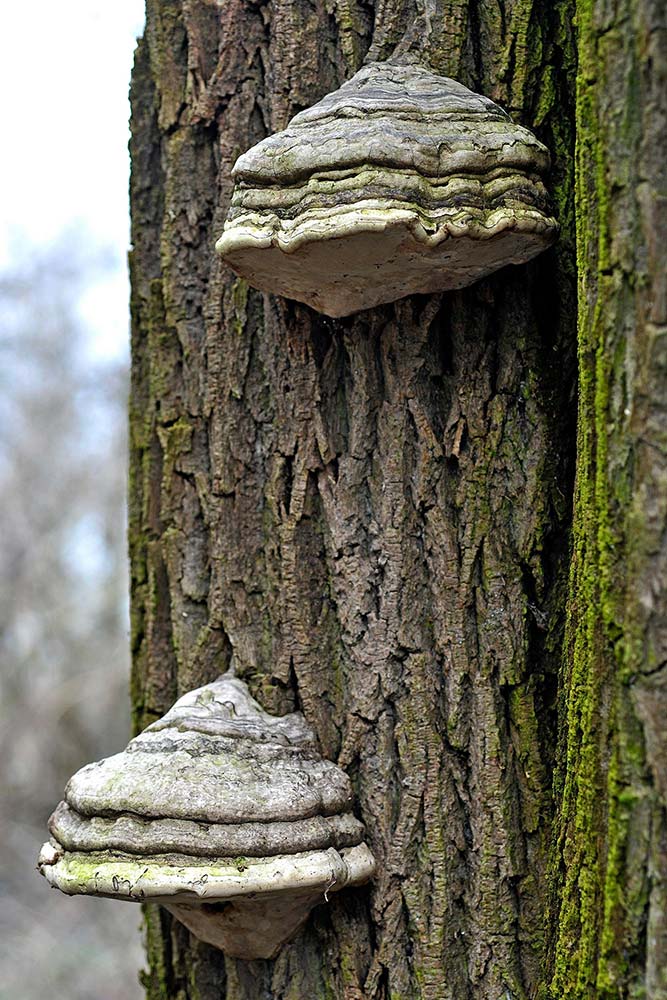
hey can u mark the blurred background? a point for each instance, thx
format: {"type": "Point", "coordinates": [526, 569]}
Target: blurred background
{"type": "Point", "coordinates": [64, 664]}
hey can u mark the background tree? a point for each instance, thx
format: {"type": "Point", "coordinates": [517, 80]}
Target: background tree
{"type": "Point", "coordinates": [63, 613]}
{"type": "Point", "coordinates": [372, 515]}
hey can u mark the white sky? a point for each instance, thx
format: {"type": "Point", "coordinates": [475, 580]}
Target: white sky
{"type": "Point", "coordinates": [64, 77]}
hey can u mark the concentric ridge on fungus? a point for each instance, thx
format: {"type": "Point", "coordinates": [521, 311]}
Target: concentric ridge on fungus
{"type": "Point", "coordinates": [225, 814]}
{"type": "Point", "coordinates": [401, 181]}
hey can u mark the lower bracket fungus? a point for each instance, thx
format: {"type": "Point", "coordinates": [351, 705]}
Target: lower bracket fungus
{"type": "Point", "coordinates": [224, 814]}
{"type": "Point", "coordinates": [401, 181]}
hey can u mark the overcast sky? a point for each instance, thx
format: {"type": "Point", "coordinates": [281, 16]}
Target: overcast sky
{"type": "Point", "coordinates": [65, 70]}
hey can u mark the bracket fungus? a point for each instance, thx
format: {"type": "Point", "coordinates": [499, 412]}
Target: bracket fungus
{"type": "Point", "coordinates": [224, 814]}
{"type": "Point", "coordinates": [401, 181]}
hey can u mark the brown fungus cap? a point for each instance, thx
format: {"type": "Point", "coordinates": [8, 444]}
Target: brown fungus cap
{"type": "Point", "coordinates": [401, 181]}
{"type": "Point", "coordinates": [217, 802]}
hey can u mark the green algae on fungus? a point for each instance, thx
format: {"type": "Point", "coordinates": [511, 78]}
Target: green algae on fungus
{"type": "Point", "coordinates": [168, 878]}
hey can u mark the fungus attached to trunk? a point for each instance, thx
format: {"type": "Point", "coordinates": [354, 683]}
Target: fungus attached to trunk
{"type": "Point", "coordinates": [401, 181]}
{"type": "Point", "coordinates": [226, 815]}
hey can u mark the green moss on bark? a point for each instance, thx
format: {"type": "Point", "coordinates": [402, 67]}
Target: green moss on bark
{"type": "Point", "coordinates": [607, 817]}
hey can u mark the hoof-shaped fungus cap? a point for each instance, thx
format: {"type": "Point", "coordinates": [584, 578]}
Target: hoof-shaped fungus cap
{"type": "Point", "coordinates": [226, 815]}
{"type": "Point", "coordinates": [401, 181]}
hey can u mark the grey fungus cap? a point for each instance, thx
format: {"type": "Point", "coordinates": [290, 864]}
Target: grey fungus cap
{"type": "Point", "coordinates": [401, 181]}
{"type": "Point", "coordinates": [226, 815]}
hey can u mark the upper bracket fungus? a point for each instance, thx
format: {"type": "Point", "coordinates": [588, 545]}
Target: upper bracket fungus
{"type": "Point", "coordinates": [226, 815]}
{"type": "Point", "coordinates": [401, 181]}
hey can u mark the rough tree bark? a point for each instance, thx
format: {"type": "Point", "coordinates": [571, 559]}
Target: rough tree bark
{"type": "Point", "coordinates": [372, 515]}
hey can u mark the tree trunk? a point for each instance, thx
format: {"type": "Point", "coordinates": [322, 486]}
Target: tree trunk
{"type": "Point", "coordinates": [371, 515]}
{"type": "Point", "coordinates": [611, 852]}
